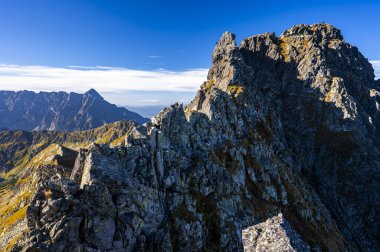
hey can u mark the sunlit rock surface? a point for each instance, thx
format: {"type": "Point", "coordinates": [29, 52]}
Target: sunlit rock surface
{"type": "Point", "coordinates": [279, 148]}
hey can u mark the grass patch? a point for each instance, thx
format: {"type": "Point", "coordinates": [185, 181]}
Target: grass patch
{"type": "Point", "coordinates": [235, 89]}
{"type": "Point", "coordinates": [13, 219]}
{"type": "Point", "coordinates": [207, 85]}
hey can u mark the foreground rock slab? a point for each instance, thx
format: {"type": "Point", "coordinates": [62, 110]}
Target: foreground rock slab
{"type": "Point", "coordinates": [275, 234]}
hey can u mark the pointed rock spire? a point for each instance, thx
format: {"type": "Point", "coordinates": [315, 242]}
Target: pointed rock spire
{"type": "Point", "coordinates": [224, 46]}
{"type": "Point", "coordinates": [93, 93]}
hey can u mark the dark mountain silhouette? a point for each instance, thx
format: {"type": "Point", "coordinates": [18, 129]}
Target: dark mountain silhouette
{"type": "Point", "coordinates": [28, 110]}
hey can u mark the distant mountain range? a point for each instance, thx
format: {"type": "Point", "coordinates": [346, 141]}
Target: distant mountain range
{"type": "Point", "coordinates": [278, 151]}
{"type": "Point", "coordinates": [28, 110]}
{"type": "Point", "coordinates": [146, 111]}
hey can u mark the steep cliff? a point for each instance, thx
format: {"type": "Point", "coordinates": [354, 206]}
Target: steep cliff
{"type": "Point", "coordinates": [279, 148]}
{"type": "Point", "coordinates": [25, 156]}
{"type": "Point", "coordinates": [26, 110]}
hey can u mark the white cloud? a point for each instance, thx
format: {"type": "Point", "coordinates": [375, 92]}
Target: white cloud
{"type": "Point", "coordinates": [118, 85]}
{"type": "Point", "coordinates": [103, 79]}
{"type": "Point", "coordinates": [376, 66]}
{"type": "Point", "coordinates": [154, 56]}
{"type": "Point", "coordinates": [150, 101]}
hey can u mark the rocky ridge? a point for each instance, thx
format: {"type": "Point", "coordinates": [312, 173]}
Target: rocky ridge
{"type": "Point", "coordinates": [278, 151]}
{"type": "Point", "coordinates": [26, 110]}
{"type": "Point", "coordinates": [18, 147]}
{"type": "Point", "coordinates": [25, 156]}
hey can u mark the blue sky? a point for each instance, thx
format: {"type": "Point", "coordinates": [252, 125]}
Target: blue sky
{"type": "Point", "coordinates": [155, 38]}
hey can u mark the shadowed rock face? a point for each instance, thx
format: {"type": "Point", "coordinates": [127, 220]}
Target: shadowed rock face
{"type": "Point", "coordinates": [27, 110]}
{"type": "Point", "coordinates": [281, 138]}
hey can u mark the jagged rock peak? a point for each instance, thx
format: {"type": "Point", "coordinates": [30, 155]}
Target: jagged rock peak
{"type": "Point", "coordinates": [223, 47]}
{"type": "Point", "coordinates": [310, 50]}
{"type": "Point", "coordinates": [28, 110]}
{"type": "Point", "coordinates": [93, 93]}
{"type": "Point", "coordinates": [281, 141]}
{"type": "Point", "coordinates": [227, 39]}
{"type": "Point", "coordinates": [327, 31]}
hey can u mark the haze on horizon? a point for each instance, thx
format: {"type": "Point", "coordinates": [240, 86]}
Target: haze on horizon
{"type": "Point", "coordinates": [153, 52]}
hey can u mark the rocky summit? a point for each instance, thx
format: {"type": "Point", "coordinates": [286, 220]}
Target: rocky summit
{"type": "Point", "coordinates": [27, 110]}
{"type": "Point", "coordinates": [278, 151]}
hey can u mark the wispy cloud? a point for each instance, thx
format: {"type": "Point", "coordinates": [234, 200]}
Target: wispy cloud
{"type": "Point", "coordinates": [154, 56]}
{"type": "Point", "coordinates": [376, 66]}
{"type": "Point", "coordinates": [149, 101]}
{"type": "Point", "coordinates": [103, 79]}
{"type": "Point", "coordinates": [95, 68]}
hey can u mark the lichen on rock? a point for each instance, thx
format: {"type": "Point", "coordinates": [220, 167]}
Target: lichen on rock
{"type": "Point", "coordinates": [275, 152]}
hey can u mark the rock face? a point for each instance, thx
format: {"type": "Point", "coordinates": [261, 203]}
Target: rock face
{"type": "Point", "coordinates": [27, 110]}
{"type": "Point", "coordinates": [27, 158]}
{"type": "Point", "coordinates": [280, 141]}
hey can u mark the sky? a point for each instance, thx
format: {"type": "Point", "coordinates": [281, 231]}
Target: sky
{"type": "Point", "coordinates": [151, 52]}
